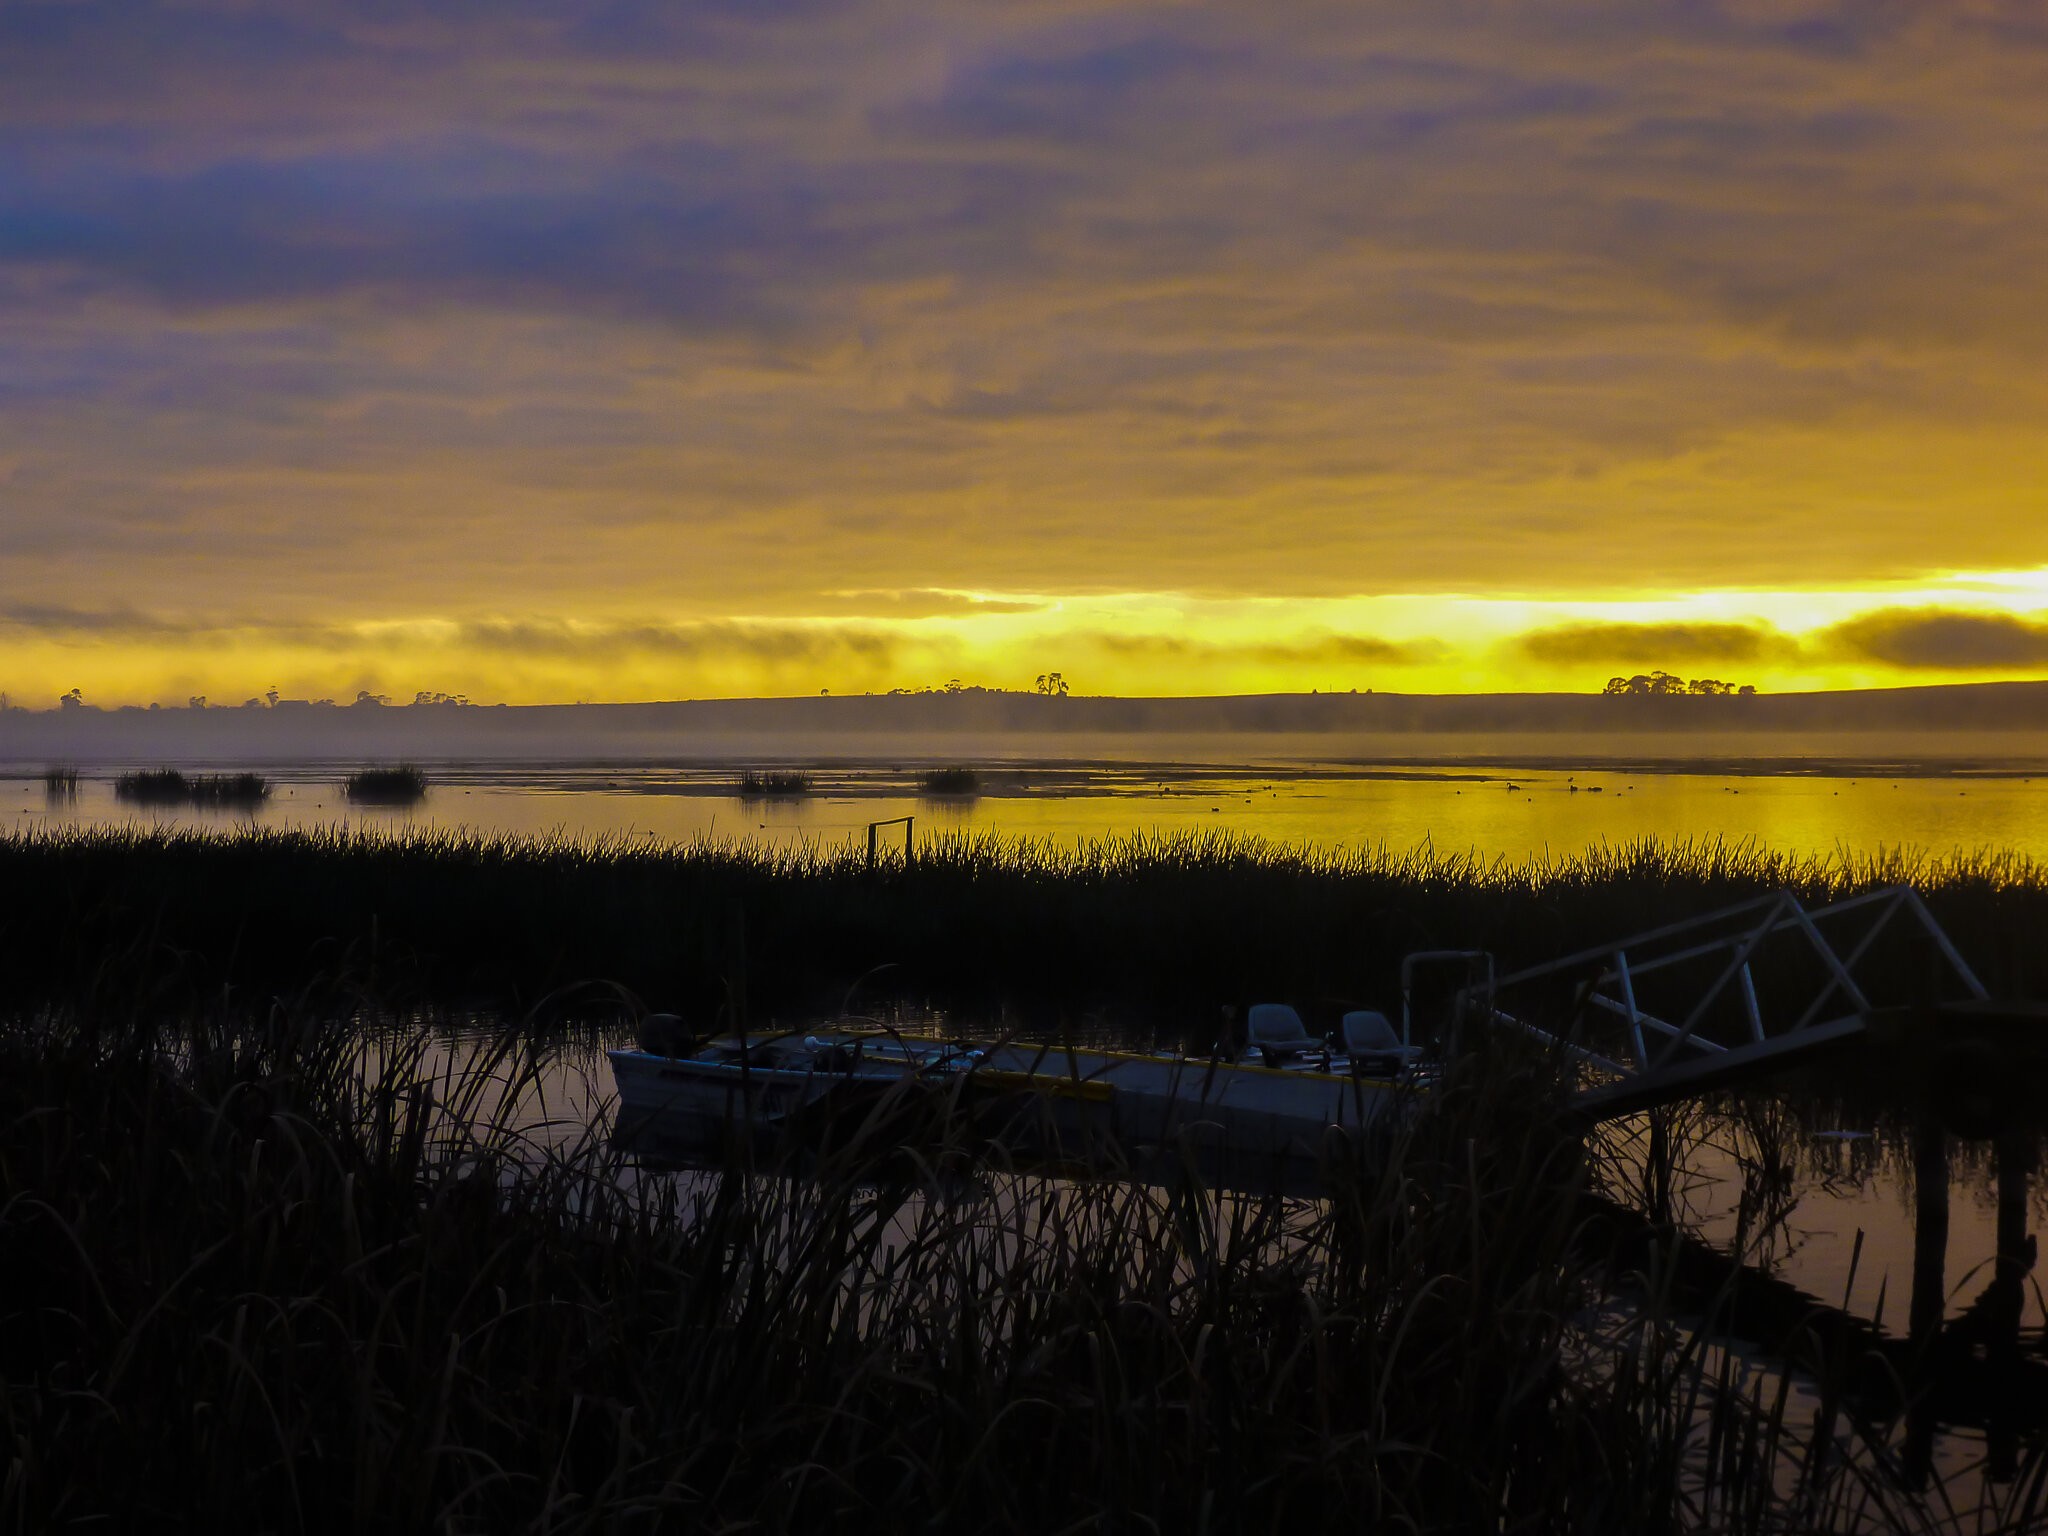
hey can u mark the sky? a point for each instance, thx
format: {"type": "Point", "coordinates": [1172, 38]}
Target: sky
{"type": "Point", "coordinates": [687, 348]}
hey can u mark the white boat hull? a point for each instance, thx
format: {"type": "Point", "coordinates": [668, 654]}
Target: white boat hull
{"type": "Point", "coordinates": [1052, 1100]}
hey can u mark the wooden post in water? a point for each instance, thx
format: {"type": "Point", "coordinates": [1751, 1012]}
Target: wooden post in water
{"type": "Point", "coordinates": [1930, 1292]}
{"type": "Point", "coordinates": [2016, 1160]}
{"type": "Point", "coordinates": [909, 827]}
{"type": "Point", "coordinates": [2006, 1301]}
{"type": "Point", "coordinates": [1659, 1170]}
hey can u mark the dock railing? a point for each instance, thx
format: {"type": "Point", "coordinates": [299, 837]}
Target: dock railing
{"type": "Point", "coordinates": [1734, 992]}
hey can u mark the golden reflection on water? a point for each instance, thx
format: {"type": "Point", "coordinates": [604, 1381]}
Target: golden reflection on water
{"type": "Point", "coordinates": [1513, 815]}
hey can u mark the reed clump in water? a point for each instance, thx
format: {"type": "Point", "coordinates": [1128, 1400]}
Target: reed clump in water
{"type": "Point", "coordinates": [773, 783]}
{"type": "Point", "coordinates": [942, 782]}
{"type": "Point", "coordinates": [159, 786]}
{"type": "Point", "coordinates": [60, 783]}
{"type": "Point", "coordinates": [315, 1277]}
{"type": "Point", "coordinates": [167, 786]}
{"type": "Point", "coordinates": [402, 785]}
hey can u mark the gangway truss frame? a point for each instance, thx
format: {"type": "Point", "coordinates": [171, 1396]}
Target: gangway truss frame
{"type": "Point", "coordinates": [1666, 1060]}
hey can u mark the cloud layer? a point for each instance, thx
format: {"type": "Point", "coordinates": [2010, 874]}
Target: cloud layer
{"type": "Point", "coordinates": [1658, 644]}
{"type": "Point", "coordinates": [850, 310]}
{"type": "Point", "coordinates": [1931, 639]}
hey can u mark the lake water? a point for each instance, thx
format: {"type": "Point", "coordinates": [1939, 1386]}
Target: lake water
{"type": "Point", "coordinates": [1514, 813]}
{"type": "Point", "coordinates": [1848, 1230]}
{"type": "Point", "coordinates": [1849, 1221]}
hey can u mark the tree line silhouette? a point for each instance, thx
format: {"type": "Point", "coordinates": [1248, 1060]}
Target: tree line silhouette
{"type": "Point", "coordinates": [1670, 685]}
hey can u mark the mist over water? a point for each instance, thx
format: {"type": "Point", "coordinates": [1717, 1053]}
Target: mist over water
{"type": "Point", "coordinates": [1455, 807]}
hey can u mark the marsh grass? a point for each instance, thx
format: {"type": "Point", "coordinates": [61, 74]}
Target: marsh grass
{"type": "Point", "coordinates": [312, 1277]}
{"type": "Point", "coordinates": [167, 786]}
{"type": "Point", "coordinates": [1145, 937]}
{"type": "Point", "coordinates": [772, 784]}
{"type": "Point", "coordinates": [60, 783]}
{"type": "Point", "coordinates": [402, 785]}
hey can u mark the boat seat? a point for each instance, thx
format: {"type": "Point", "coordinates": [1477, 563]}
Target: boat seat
{"type": "Point", "coordinates": [1373, 1045]}
{"type": "Point", "coordinates": [1277, 1030]}
{"type": "Point", "coordinates": [665, 1034]}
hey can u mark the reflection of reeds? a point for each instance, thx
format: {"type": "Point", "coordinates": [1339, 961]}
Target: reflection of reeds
{"type": "Point", "coordinates": [949, 781]}
{"type": "Point", "coordinates": [230, 789]}
{"type": "Point", "coordinates": [60, 783]}
{"type": "Point", "coordinates": [390, 1307]}
{"type": "Point", "coordinates": [769, 784]}
{"type": "Point", "coordinates": [402, 785]}
{"type": "Point", "coordinates": [167, 786]}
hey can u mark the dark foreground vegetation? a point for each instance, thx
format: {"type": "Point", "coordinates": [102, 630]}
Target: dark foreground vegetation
{"type": "Point", "coordinates": [167, 786]}
{"type": "Point", "coordinates": [1148, 937]}
{"type": "Point", "coordinates": [291, 1275]}
{"type": "Point", "coordinates": [402, 785]}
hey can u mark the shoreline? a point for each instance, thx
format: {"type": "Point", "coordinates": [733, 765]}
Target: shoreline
{"type": "Point", "coordinates": [885, 775]}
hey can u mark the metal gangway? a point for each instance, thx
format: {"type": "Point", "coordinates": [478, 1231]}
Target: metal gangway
{"type": "Point", "coordinates": [1735, 993]}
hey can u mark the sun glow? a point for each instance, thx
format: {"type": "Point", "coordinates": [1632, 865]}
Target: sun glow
{"type": "Point", "coordinates": [1959, 626]}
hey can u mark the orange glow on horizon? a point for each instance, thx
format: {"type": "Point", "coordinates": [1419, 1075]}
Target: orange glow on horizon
{"type": "Point", "coordinates": [1966, 628]}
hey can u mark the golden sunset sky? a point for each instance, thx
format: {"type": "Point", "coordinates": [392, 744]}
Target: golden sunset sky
{"type": "Point", "coordinates": [662, 349]}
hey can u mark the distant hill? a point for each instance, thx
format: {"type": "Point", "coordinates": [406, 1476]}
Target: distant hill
{"type": "Point", "coordinates": [1009, 722]}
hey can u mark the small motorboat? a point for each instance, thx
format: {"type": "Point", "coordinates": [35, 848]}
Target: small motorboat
{"type": "Point", "coordinates": [675, 1090]}
{"type": "Point", "coordinates": [1281, 1099]}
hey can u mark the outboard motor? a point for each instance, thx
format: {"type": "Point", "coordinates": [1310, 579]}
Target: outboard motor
{"type": "Point", "coordinates": [665, 1034]}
